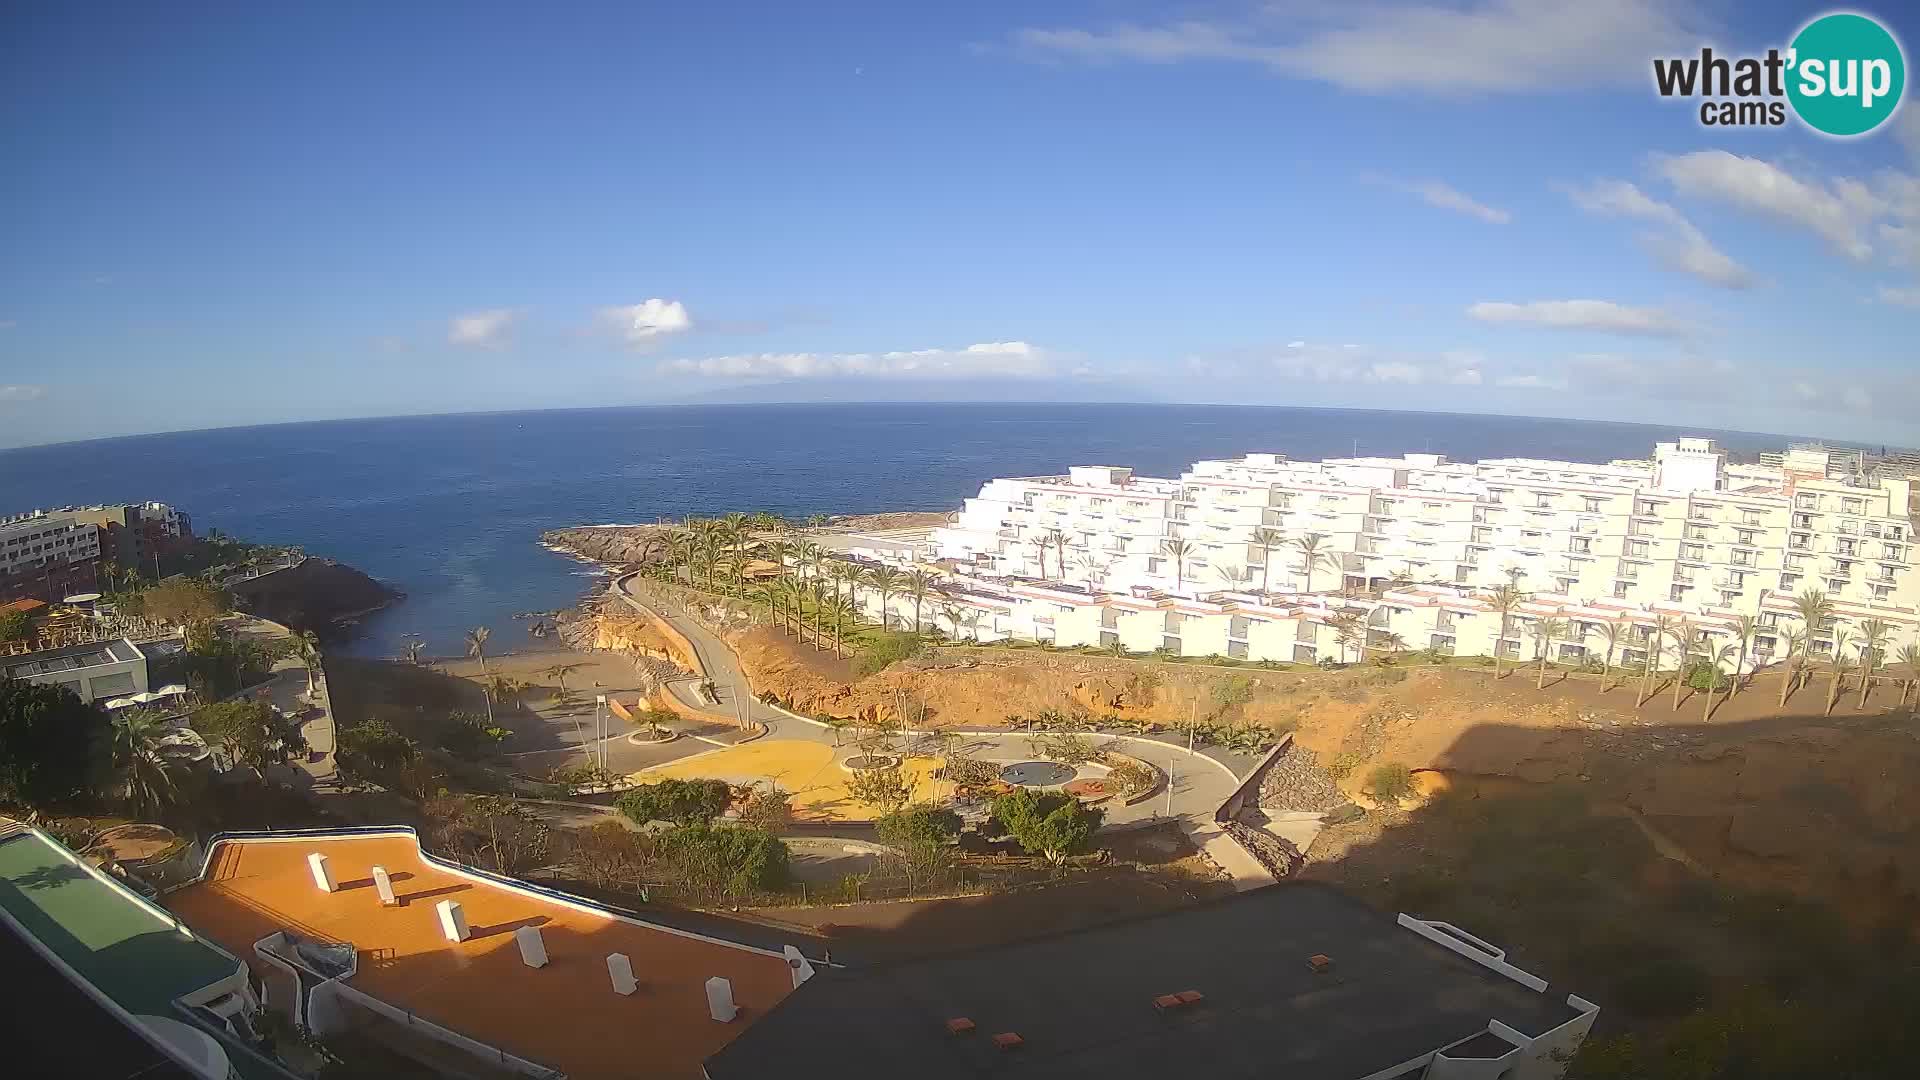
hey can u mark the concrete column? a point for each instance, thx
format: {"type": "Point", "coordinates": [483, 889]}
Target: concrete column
{"type": "Point", "coordinates": [384, 885]}
{"type": "Point", "coordinates": [322, 872]}
{"type": "Point", "coordinates": [720, 1000]}
{"type": "Point", "coordinates": [453, 920]}
{"type": "Point", "coordinates": [620, 970]}
{"type": "Point", "coordinates": [533, 948]}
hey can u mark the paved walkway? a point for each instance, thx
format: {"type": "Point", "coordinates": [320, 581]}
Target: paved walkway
{"type": "Point", "coordinates": [1199, 782]}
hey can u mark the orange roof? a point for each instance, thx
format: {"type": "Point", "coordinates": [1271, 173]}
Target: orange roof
{"type": "Point", "coordinates": [564, 1015]}
{"type": "Point", "coordinates": [28, 604]}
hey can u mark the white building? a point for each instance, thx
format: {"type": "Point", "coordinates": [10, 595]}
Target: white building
{"type": "Point", "coordinates": [95, 671]}
{"type": "Point", "coordinates": [33, 542]}
{"type": "Point", "coordinates": [1408, 546]}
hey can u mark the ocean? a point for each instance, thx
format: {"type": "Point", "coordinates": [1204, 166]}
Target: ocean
{"type": "Point", "coordinates": [449, 509]}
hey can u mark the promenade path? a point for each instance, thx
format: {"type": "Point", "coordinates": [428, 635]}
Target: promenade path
{"type": "Point", "coordinates": [1199, 782]}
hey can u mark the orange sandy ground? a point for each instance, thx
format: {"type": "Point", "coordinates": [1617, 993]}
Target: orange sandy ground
{"type": "Point", "coordinates": [564, 1015]}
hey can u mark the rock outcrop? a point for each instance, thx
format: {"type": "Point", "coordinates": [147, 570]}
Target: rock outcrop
{"type": "Point", "coordinates": [318, 595]}
{"type": "Point", "coordinates": [618, 545]}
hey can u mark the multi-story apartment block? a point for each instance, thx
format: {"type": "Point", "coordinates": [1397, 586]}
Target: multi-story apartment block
{"type": "Point", "coordinates": [46, 556]}
{"type": "Point", "coordinates": [1217, 561]}
{"type": "Point", "coordinates": [134, 533]}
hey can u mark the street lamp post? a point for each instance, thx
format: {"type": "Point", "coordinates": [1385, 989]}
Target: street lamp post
{"type": "Point", "coordinates": [599, 730]}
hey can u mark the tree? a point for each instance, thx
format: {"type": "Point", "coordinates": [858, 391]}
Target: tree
{"type": "Point", "coordinates": [717, 860]}
{"type": "Point", "coordinates": [14, 625]}
{"type": "Point", "coordinates": [1744, 627]}
{"type": "Point", "coordinates": [415, 645]}
{"type": "Point", "coordinates": [307, 647]}
{"type": "Point", "coordinates": [252, 733]}
{"type": "Point", "coordinates": [1178, 550]}
{"type": "Point", "coordinates": [495, 832]}
{"type": "Point", "coordinates": [1725, 652]}
{"type": "Point", "coordinates": [1910, 656]}
{"type": "Point", "coordinates": [1610, 632]}
{"type": "Point", "coordinates": [1349, 628]}
{"type": "Point", "coordinates": [1040, 543]}
{"type": "Point", "coordinates": [1814, 609]}
{"type": "Point", "coordinates": [1544, 632]}
{"type": "Point", "coordinates": [181, 600]}
{"type": "Point", "coordinates": [1313, 554]}
{"type": "Point", "coordinates": [1268, 541]}
{"type": "Point", "coordinates": [1234, 577]}
{"type": "Point", "coordinates": [372, 752]}
{"type": "Point", "coordinates": [767, 808]}
{"type": "Point", "coordinates": [146, 783]}
{"type": "Point", "coordinates": [884, 580]}
{"type": "Point", "coordinates": [470, 735]}
{"type": "Point", "coordinates": [683, 802]}
{"type": "Point", "coordinates": [1656, 640]}
{"type": "Point", "coordinates": [1049, 825]}
{"type": "Point", "coordinates": [1503, 600]}
{"type": "Point", "coordinates": [1683, 636]}
{"type": "Point", "coordinates": [477, 645]}
{"type": "Point", "coordinates": [1873, 650]}
{"type": "Point", "coordinates": [885, 788]}
{"type": "Point", "coordinates": [48, 742]}
{"type": "Point", "coordinates": [559, 672]}
{"type": "Point", "coordinates": [918, 584]}
{"type": "Point", "coordinates": [1093, 567]}
{"type": "Point", "coordinates": [1840, 665]}
{"type": "Point", "coordinates": [918, 825]}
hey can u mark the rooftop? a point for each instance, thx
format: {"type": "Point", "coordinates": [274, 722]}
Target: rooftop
{"type": "Point", "coordinates": [71, 658]}
{"type": "Point", "coordinates": [564, 1016]}
{"type": "Point", "coordinates": [125, 947]}
{"type": "Point", "coordinates": [1083, 1003]}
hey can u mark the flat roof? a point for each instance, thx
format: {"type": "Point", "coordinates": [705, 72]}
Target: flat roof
{"type": "Point", "coordinates": [1083, 1002]}
{"type": "Point", "coordinates": [564, 1016]}
{"type": "Point", "coordinates": [72, 658]}
{"type": "Point", "coordinates": [128, 949]}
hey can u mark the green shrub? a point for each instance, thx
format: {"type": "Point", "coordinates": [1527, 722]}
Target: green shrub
{"type": "Point", "coordinates": [887, 647]}
{"type": "Point", "coordinates": [1343, 763]}
{"type": "Point", "coordinates": [1049, 825]}
{"type": "Point", "coordinates": [1706, 675]}
{"type": "Point", "coordinates": [918, 826]}
{"type": "Point", "coordinates": [682, 802]}
{"type": "Point", "coordinates": [1391, 782]}
{"type": "Point", "coordinates": [727, 858]}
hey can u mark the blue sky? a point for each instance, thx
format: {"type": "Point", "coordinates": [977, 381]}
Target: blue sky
{"type": "Point", "coordinates": [218, 215]}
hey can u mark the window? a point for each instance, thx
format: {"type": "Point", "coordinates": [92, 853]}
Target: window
{"type": "Point", "coordinates": [1580, 545]}
{"type": "Point", "coordinates": [1543, 500]}
{"type": "Point", "coordinates": [1806, 501]}
{"type": "Point", "coordinates": [1619, 590]}
{"type": "Point", "coordinates": [1789, 582]}
{"type": "Point", "coordinates": [1696, 532]}
{"type": "Point", "coordinates": [1171, 644]}
{"type": "Point", "coordinates": [1109, 639]}
{"type": "Point", "coordinates": [1692, 551]}
{"type": "Point", "coordinates": [1744, 536]}
{"type": "Point", "coordinates": [1677, 594]}
{"type": "Point", "coordinates": [1593, 504]}
{"type": "Point", "coordinates": [1852, 506]}
{"type": "Point", "coordinates": [1637, 548]}
{"type": "Point", "coordinates": [1646, 507]}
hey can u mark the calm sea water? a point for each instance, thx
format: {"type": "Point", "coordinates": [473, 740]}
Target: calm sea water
{"type": "Point", "coordinates": [449, 508]}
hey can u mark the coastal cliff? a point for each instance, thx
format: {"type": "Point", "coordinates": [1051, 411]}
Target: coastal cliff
{"type": "Point", "coordinates": [641, 545]}
{"type": "Point", "coordinates": [316, 595]}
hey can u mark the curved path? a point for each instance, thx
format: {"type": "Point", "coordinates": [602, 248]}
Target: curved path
{"type": "Point", "coordinates": [1199, 782]}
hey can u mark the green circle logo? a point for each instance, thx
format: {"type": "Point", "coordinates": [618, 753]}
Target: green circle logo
{"type": "Point", "coordinates": [1845, 74]}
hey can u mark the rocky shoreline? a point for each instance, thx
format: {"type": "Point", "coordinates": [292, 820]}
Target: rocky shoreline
{"type": "Point", "coordinates": [320, 595]}
{"type": "Point", "coordinates": [629, 546]}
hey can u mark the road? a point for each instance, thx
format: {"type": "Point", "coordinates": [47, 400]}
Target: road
{"type": "Point", "coordinates": [1200, 782]}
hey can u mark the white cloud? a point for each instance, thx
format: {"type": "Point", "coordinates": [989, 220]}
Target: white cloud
{"type": "Point", "coordinates": [1680, 247]}
{"type": "Point", "coordinates": [1446, 197]}
{"type": "Point", "coordinates": [1908, 297]}
{"type": "Point", "coordinates": [1353, 363]}
{"type": "Point", "coordinates": [1530, 382]}
{"type": "Point", "coordinates": [995, 358]}
{"type": "Point", "coordinates": [1601, 315]}
{"type": "Point", "coordinates": [1476, 47]}
{"type": "Point", "coordinates": [487, 329]}
{"type": "Point", "coordinates": [22, 393]}
{"type": "Point", "coordinates": [648, 320]}
{"type": "Point", "coordinates": [1838, 211]}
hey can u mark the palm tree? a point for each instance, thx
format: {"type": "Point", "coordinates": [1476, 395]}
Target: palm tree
{"type": "Point", "coordinates": [1090, 563]}
{"type": "Point", "coordinates": [1349, 629]}
{"type": "Point", "coordinates": [841, 611]}
{"type": "Point", "coordinates": [737, 531]}
{"type": "Point", "coordinates": [1727, 650]}
{"type": "Point", "coordinates": [1744, 627]}
{"type": "Point", "coordinates": [1610, 632]}
{"type": "Point", "coordinates": [884, 580]}
{"type": "Point", "coordinates": [972, 618]}
{"type": "Point", "coordinates": [1682, 637]}
{"type": "Point", "coordinates": [683, 550]}
{"type": "Point", "coordinates": [840, 573]}
{"type": "Point", "coordinates": [1503, 600]}
{"type": "Point", "coordinates": [1060, 550]}
{"type": "Point", "coordinates": [1544, 631]}
{"type": "Point", "coordinates": [1873, 647]}
{"type": "Point", "coordinates": [918, 583]}
{"type": "Point", "coordinates": [502, 689]}
{"type": "Point", "coordinates": [1656, 640]}
{"type": "Point", "coordinates": [1178, 550]}
{"type": "Point", "coordinates": [1910, 656]}
{"type": "Point", "coordinates": [559, 672]}
{"type": "Point", "coordinates": [307, 645]}
{"type": "Point", "coordinates": [144, 779]}
{"type": "Point", "coordinates": [1840, 665]}
{"type": "Point", "coordinates": [822, 602]}
{"type": "Point", "coordinates": [1313, 553]}
{"type": "Point", "coordinates": [1267, 540]}
{"type": "Point", "coordinates": [415, 645]}
{"type": "Point", "coordinates": [477, 645]}
{"type": "Point", "coordinates": [1234, 577]}
{"type": "Point", "coordinates": [1040, 543]}
{"type": "Point", "coordinates": [952, 612]}
{"type": "Point", "coordinates": [1814, 608]}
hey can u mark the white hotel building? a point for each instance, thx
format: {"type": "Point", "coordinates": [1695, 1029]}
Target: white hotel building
{"type": "Point", "coordinates": [1413, 542]}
